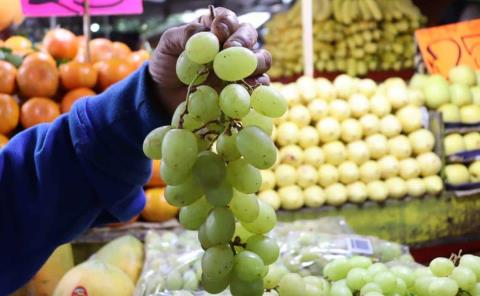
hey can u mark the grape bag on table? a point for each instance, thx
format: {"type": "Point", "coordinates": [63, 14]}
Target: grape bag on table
{"type": "Point", "coordinates": [210, 160]}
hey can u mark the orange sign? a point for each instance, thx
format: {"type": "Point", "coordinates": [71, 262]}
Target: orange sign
{"type": "Point", "coordinates": [446, 46]}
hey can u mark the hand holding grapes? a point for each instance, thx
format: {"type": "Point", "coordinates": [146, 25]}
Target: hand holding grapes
{"type": "Point", "coordinates": [224, 24]}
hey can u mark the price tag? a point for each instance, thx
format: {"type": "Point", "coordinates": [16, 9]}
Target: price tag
{"type": "Point", "coordinates": [44, 8]}
{"type": "Point", "coordinates": [358, 245]}
{"type": "Point", "coordinates": [444, 47]}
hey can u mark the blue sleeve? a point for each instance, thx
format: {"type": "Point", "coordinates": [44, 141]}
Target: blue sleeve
{"type": "Point", "coordinates": [87, 167]}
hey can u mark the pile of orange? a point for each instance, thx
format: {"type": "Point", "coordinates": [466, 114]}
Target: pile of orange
{"type": "Point", "coordinates": [51, 80]}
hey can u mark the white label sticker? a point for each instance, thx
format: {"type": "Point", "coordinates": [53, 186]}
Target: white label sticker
{"type": "Point", "coordinates": [360, 246]}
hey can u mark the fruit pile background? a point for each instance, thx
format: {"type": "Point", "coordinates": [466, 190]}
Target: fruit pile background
{"type": "Point", "coordinates": [350, 36]}
{"type": "Point", "coordinates": [351, 140]}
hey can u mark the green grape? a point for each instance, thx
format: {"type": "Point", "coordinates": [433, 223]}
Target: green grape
{"type": "Point", "coordinates": [337, 269]}
{"type": "Point", "coordinates": [174, 280]}
{"type": "Point", "coordinates": [400, 287]}
{"type": "Point", "coordinates": [217, 262]}
{"type": "Point", "coordinates": [311, 290]}
{"type": "Point", "coordinates": [235, 101]}
{"type": "Point", "coordinates": [152, 145]}
{"type": "Point", "coordinates": [248, 266]}
{"type": "Point", "coordinates": [239, 287]}
{"type": "Point", "coordinates": [464, 277]}
{"type": "Point", "coordinates": [370, 287]}
{"type": "Point", "coordinates": [291, 284]}
{"type": "Point", "coordinates": [357, 278]}
{"type": "Point", "coordinates": [244, 206]}
{"type": "Point", "coordinates": [476, 290]}
{"type": "Point", "coordinates": [443, 286]}
{"type": "Point", "coordinates": [241, 232]}
{"type": "Point", "coordinates": [179, 149]}
{"type": "Point", "coordinates": [264, 247]}
{"type": "Point", "coordinates": [318, 282]}
{"type": "Point", "coordinates": [209, 169]}
{"type": "Point", "coordinates": [243, 176]}
{"type": "Point", "coordinates": [376, 268]}
{"type": "Point", "coordinates": [202, 47]}
{"type": "Point", "coordinates": [472, 262]}
{"type": "Point", "coordinates": [227, 146]}
{"type": "Point", "coordinates": [422, 285]}
{"type": "Point", "coordinates": [268, 101]}
{"type": "Point", "coordinates": [360, 261]}
{"type": "Point", "coordinates": [184, 194]}
{"type": "Point", "coordinates": [173, 177]}
{"type": "Point", "coordinates": [274, 275]}
{"type": "Point", "coordinates": [441, 266]}
{"type": "Point", "coordinates": [203, 143]}
{"type": "Point", "coordinates": [339, 288]}
{"type": "Point", "coordinates": [265, 221]}
{"type": "Point", "coordinates": [216, 285]}
{"type": "Point", "coordinates": [193, 216]}
{"type": "Point", "coordinates": [203, 237]}
{"type": "Point", "coordinates": [373, 293]}
{"type": "Point", "coordinates": [203, 104]}
{"type": "Point", "coordinates": [253, 118]}
{"type": "Point", "coordinates": [390, 251]}
{"type": "Point", "coordinates": [220, 195]}
{"type": "Point", "coordinates": [404, 273]}
{"type": "Point", "coordinates": [234, 63]}
{"type": "Point", "coordinates": [256, 147]}
{"type": "Point", "coordinates": [189, 122]}
{"type": "Point", "coordinates": [386, 280]}
{"type": "Point", "coordinates": [220, 225]}
{"type": "Point", "coordinates": [422, 271]}
{"type": "Point", "coordinates": [189, 72]}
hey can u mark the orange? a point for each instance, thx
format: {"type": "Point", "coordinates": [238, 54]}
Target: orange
{"type": "Point", "coordinates": [3, 140]}
{"type": "Point", "coordinates": [37, 78]}
{"type": "Point", "coordinates": [112, 71]}
{"type": "Point", "coordinates": [38, 55]}
{"type": "Point", "coordinates": [74, 75]}
{"type": "Point", "coordinates": [155, 179]}
{"type": "Point", "coordinates": [8, 73]}
{"type": "Point", "coordinates": [137, 58]}
{"type": "Point", "coordinates": [121, 50]}
{"type": "Point", "coordinates": [61, 44]}
{"type": "Point", "coordinates": [157, 208]}
{"type": "Point", "coordinates": [73, 95]}
{"type": "Point", "coordinates": [9, 114]}
{"type": "Point", "coordinates": [120, 224]}
{"type": "Point", "coordinates": [101, 49]}
{"type": "Point", "coordinates": [38, 110]}
{"type": "Point", "coordinates": [19, 44]}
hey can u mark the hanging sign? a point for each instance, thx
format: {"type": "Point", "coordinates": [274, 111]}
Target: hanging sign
{"type": "Point", "coordinates": [445, 47]}
{"type": "Point", "coordinates": [45, 8]}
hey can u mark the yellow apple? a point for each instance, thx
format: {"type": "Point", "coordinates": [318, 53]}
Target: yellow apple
{"type": "Point", "coordinates": [454, 143]}
{"type": "Point", "coordinates": [389, 166]}
{"type": "Point", "coordinates": [390, 126]}
{"type": "Point", "coordinates": [313, 156]}
{"type": "Point", "coordinates": [472, 141]}
{"type": "Point", "coordinates": [328, 129]}
{"type": "Point", "coordinates": [335, 152]}
{"type": "Point", "coordinates": [357, 192]}
{"type": "Point", "coordinates": [377, 145]}
{"type": "Point", "coordinates": [348, 172]}
{"type": "Point", "coordinates": [351, 130]}
{"type": "Point", "coordinates": [397, 188]}
{"type": "Point", "coordinates": [270, 197]}
{"type": "Point", "coordinates": [377, 190]}
{"type": "Point", "coordinates": [409, 168]}
{"type": "Point", "coordinates": [430, 163]}
{"type": "Point", "coordinates": [399, 147]}
{"type": "Point", "coordinates": [318, 109]}
{"type": "Point", "coordinates": [410, 118]}
{"type": "Point", "coordinates": [268, 180]}
{"type": "Point", "coordinates": [287, 133]}
{"type": "Point", "coordinates": [433, 184]}
{"type": "Point", "coordinates": [421, 141]}
{"type": "Point", "coordinates": [380, 106]}
{"type": "Point", "coordinates": [339, 109]}
{"type": "Point", "coordinates": [299, 115]}
{"type": "Point", "coordinates": [370, 124]}
{"type": "Point", "coordinates": [457, 174]}
{"type": "Point", "coordinates": [450, 113]}
{"type": "Point", "coordinates": [358, 152]}
{"type": "Point", "coordinates": [308, 137]}
{"type": "Point", "coordinates": [336, 194]}
{"type": "Point", "coordinates": [359, 105]}
{"type": "Point", "coordinates": [327, 175]}
{"type": "Point", "coordinates": [291, 154]}
{"type": "Point", "coordinates": [285, 175]}
{"type": "Point", "coordinates": [369, 171]}
{"type": "Point", "coordinates": [306, 175]}
{"type": "Point", "coordinates": [291, 197]}
{"type": "Point", "coordinates": [314, 196]}
{"type": "Point", "coordinates": [416, 187]}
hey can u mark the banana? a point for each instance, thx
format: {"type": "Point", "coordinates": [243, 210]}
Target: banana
{"type": "Point", "coordinates": [324, 10]}
{"type": "Point", "coordinates": [407, 8]}
{"type": "Point", "coordinates": [354, 13]}
{"type": "Point", "coordinates": [364, 11]}
{"type": "Point", "coordinates": [346, 11]}
{"type": "Point", "coordinates": [337, 10]}
{"type": "Point", "coordinates": [374, 9]}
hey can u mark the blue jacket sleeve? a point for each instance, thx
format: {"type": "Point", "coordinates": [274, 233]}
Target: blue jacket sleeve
{"type": "Point", "coordinates": [87, 167]}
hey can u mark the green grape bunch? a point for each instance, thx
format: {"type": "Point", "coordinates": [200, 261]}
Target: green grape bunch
{"type": "Point", "coordinates": [211, 160]}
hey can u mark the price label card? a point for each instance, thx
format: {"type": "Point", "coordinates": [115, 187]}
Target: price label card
{"type": "Point", "coordinates": [44, 8]}
{"type": "Point", "coordinates": [444, 47]}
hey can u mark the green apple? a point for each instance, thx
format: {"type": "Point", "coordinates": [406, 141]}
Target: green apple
{"type": "Point", "coordinates": [474, 170]}
{"type": "Point", "coordinates": [462, 74]}
{"type": "Point", "coordinates": [460, 94]}
{"type": "Point", "coordinates": [357, 192]}
{"type": "Point", "coordinates": [437, 91]}
{"type": "Point", "coordinates": [416, 187]}
{"type": "Point", "coordinates": [270, 197]}
{"type": "Point", "coordinates": [336, 194]}
{"type": "Point", "coordinates": [450, 112]}
{"type": "Point", "coordinates": [377, 190]}
{"type": "Point", "coordinates": [472, 141]}
{"type": "Point", "coordinates": [291, 197]}
{"type": "Point", "coordinates": [397, 188]}
{"type": "Point", "coordinates": [454, 143]}
{"type": "Point", "coordinates": [410, 118]}
{"type": "Point", "coordinates": [470, 114]}
{"type": "Point", "coordinates": [409, 168]}
{"type": "Point", "coordinates": [327, 175]}
{"type": "Point", "coordinates": [457, 174]}
{"type": "Point", "coordinates": [369, 171]}
{"type": "Point", "coordinates": [314, 196]}
{"type": "Point", "coordinates": [430, 163]}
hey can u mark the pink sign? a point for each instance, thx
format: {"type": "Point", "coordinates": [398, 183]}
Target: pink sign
{"type": "Point", "coordinates": [75, 7]}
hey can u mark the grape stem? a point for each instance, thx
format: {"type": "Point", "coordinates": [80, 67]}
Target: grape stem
{"type": "Point", "coordinates": [205, 125]}
{"type": "Point", "coordinates": [249, 87]}
{"type": "Point", "coordinates": [237, 242]}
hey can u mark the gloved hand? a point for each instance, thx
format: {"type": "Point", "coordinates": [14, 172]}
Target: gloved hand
{"type": "Point", "coordinates": [224, 24]}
